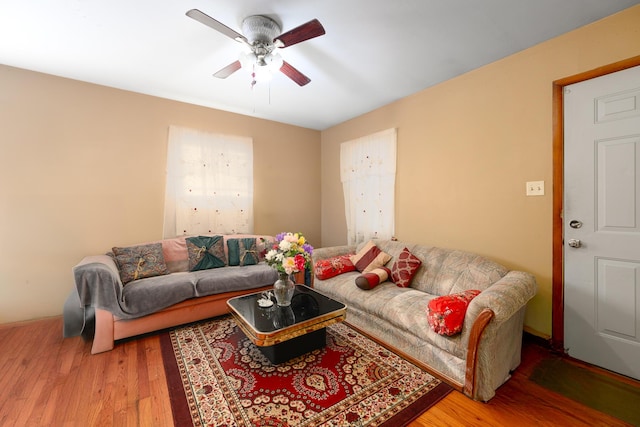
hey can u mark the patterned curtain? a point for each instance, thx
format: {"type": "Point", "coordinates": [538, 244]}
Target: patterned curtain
{"type": "Point", "coordinates": [368, 174]}
{"type": "Point", "coordinates": [209, 184]}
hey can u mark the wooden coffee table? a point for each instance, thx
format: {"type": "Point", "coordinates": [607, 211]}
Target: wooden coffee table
{"type": "Point", "coordinates": [282, 333]}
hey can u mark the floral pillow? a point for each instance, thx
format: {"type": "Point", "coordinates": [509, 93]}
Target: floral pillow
{"type": "Point", "coordinates": [139, 262]}
{"type": "Point", "coordinates": [263, 245]}
{"type": "Point", "coordinates": [446, 313]}
{"type": "Point", "coordinates": [405, 268]}
{"type": "Point", "coordinates": [331, 267]}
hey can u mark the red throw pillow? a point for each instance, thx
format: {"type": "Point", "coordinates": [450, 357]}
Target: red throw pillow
{"type": "Point", "coordinates": [405, 268]}
{"type": "Point", "coordinates": [373, 278]}
{"type": "Point", "coordinates": [331, 267]}
{"type": "Point", "coordinates": [446, 313]}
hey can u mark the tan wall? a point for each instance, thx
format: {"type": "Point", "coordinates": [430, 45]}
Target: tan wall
{"type": "Point", "coordinates": [82, 169]}
{"type": "Point", "coordinates": [467, 146]}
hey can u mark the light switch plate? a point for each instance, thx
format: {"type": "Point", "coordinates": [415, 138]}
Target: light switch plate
{"type": "Point", "coordinates": [535, 188]}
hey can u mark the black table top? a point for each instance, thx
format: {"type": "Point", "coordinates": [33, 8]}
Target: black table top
{"type": "Point", "coordinates": [306, 304]}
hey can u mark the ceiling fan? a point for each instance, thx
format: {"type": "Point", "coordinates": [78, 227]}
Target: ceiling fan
{"type": "Point", "coordinates": [262, 40]}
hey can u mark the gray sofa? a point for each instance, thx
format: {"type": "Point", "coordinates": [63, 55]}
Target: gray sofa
{"type": "Point", "coordinates": [117, 310]}
{"type": "Point", "coordinates": [476, 361]}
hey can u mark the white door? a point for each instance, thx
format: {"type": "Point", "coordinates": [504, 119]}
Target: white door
{"type": "Point", "coordinates": [602, 221]}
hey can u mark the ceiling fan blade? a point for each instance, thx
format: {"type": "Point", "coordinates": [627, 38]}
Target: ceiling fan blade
{"type": "Point", "coordinates": [228, 70]}
{"type": "Point", "coordinates": [299, 34]}
{"type": "Point", "coordinates": [295, 75]}
{"type": "Point", "coordinates": [216, 25]}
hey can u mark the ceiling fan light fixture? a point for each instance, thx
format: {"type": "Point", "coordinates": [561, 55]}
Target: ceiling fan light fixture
{"type": "Point", "coordinates": [247, 59]}
{"type": "Point", "coordinates": [261, 74]}
{"type": "Point", "coordinates": [261, 68]}
{"type": "Point", "coordinates": [274, 61]}
{"type": "Point", "coordinates": [262, 40]}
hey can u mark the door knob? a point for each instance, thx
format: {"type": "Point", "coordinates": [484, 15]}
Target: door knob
{"type": "Point", "coordinates": [575, 224]}
{"type": "Point", "coordinates": [574, 243]}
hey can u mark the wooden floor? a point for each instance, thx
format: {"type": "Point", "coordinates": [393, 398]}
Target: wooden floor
{"type": "Point", "coordinates": [46, 380]}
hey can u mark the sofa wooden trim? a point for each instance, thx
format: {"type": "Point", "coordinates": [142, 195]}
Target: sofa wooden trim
{"type": "Point", "coordinates": [109, 328]}
{"type": "Point", "coordinates": [473, 345]}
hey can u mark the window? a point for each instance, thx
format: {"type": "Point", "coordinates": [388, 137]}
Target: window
{"type": "Point", "coordinates": [209, 184]}
{"type": "Point", "coordinates": [368, 173]}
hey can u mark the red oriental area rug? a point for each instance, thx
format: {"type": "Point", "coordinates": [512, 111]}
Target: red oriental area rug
{"type": "Point", "coordinates": [217, 377]}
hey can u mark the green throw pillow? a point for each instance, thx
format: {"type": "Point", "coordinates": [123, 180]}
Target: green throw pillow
{"type": "Point", "coordinates": [242, 251]}
{"type": "Point", "coordinates": [206, 252]}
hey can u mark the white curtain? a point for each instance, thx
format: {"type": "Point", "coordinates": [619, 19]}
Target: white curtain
{"type": "Point", "coordinates": [368, 174]}
{"type": "Point", "coordinates": [209, 183]}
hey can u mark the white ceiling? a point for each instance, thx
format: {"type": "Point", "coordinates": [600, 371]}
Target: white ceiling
{"type": "Point", "coordinates": [373, 53]}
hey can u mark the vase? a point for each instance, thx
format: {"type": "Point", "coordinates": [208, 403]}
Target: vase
{"type": "Point", "coordinates": [283, 289]}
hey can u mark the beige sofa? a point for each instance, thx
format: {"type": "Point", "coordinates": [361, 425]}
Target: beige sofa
{"type": "Point", "coordinates": [102, 306]}
{"type": "Point", "coordinates": [476, 361]}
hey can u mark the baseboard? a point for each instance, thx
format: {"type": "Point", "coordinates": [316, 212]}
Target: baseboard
{"type": "Point", "coordinates": [538, 340]}
{"type": "Point", "coordinates": [26, 322]}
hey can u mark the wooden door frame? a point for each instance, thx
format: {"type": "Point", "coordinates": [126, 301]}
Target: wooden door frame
{"type": "Point", "coordinates": [557, 281]}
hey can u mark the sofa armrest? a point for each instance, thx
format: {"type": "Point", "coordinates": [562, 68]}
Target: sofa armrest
{"type": "Point", "coordinates": [332, 251]}
{"type": "Point", "coordinates": [98, 283]}
{"type": "Point", "coordinates": [493, 333]}
{"type": "Point", "coordinates": [505, 297]}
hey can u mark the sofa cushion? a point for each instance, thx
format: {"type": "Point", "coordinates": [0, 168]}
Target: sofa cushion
{"type": "Point", "coordinates": [405, 268]}
{"type": "Point", "coordinates": [331, 267]}
{"type": "Point", "coordinates": [403, 308]}
{"type": "Point", "coordinates": [145, 296]}
{"type": "Point", "coordinates": [206, 252]}
{"type": "Point", "coordinates": [175, 254]}
{"type": "Point", "coordinates": [373, 278]}
{"type": "Point", "coordinates": [369, 257]}
{"type": "Point", "coordinates": [445, 314]}
{"type": "Point", "coordinates": [139, 262]}
{"type": "Point", "coordinates": [446, 271]}
{"type": "Point", "coordinates": [234, 278]}
{"type": "Point", "coordinates": [177, 258]}
{"type": "Point", "coordinates": [242, 251]}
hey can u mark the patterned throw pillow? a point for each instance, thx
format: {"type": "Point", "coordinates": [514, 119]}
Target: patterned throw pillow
{"type": "Point", "coordinates": [331, 267]}
{"type": "Point", "coordinates": [138, 262]}
{"type": "Point", "coordinates": [206, 252]}
{"type": "Point", "coordinates": [369, 258]}
{"type": "Point", "coordinates": [373, 278]}
{"type": "Point", "coordinates": [243, 251]}
{"type": "Point", "coordinates": [405, 268]}
{"type": "Point", "coordinates": [446, 313]}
